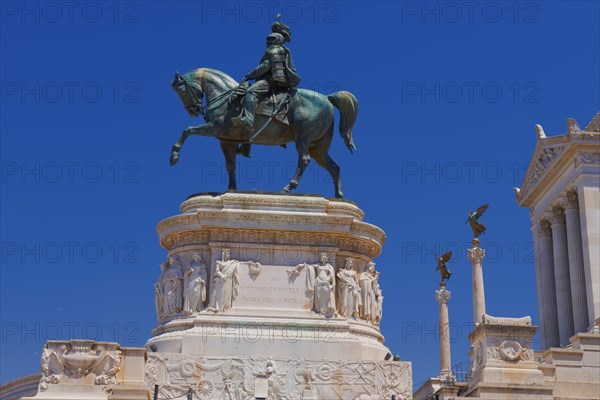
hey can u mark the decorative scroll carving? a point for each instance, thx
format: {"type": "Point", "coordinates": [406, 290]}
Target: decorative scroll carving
{"type": "Point", "coordinates": [523, 321]}
{"type": "Point", "coordinates": [540, 131]}
{"type": "Point", "coordinates": [80, 360]}
{"type": "Point", "coordinates": [234, 378]}
{"type": "Point", "coordinates": [587, 158]}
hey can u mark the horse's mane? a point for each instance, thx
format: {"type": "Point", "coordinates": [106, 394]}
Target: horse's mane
{"type": "Point", "coordinates": [200, 74]}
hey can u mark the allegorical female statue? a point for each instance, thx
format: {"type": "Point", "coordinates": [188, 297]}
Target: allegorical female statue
{"type": "Point", "coordinates": [320, 282]}
{"type": "Point", "coordinates": [226, 282]}
{"type": "Point", "coordinates": [377, 312]}
{"type": "Point", "coordinates": [367, 295]}
{"type": "Point", "coordinates": [348, 290]}
{"type": "Point", "coordinates": [171, 282]}
{"type": "Point", "coordinates": [195, 279]}
{"type": "Point", "coordinates": [158, 300]}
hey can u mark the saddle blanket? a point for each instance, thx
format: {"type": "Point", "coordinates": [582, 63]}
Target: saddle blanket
{"type": "Point", "coordinates": [266, 106]}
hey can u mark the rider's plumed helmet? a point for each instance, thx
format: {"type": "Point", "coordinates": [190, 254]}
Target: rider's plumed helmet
{"type": "Point", "coordinates": [275, 38]}
{"type": "Point", "coordinates": [282, 29]}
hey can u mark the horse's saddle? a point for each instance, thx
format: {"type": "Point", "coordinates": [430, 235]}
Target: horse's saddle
{"type": "Point", "coordinates": [268, 104]}
{"type": "Point", "coordinates": [277, 99]}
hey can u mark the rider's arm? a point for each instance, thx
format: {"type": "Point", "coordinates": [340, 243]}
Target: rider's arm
{"type": "Point", "coordinates": [259, 71]}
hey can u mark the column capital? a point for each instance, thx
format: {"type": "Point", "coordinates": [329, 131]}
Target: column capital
{"type": "Point", "coordinates": [544, 228]}
{"type": "Point", "coordinates": [557, 216]}
{"type": "Point", "coordinates": [476, 254]}
{"type": "Point", "coordinates": [570, 200]}
{"type": "Point", "coordinates": [442, 296]}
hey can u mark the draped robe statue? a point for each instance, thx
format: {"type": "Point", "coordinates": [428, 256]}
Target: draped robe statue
{"type": "Point", "coordinates": [158, 300]}
{"type": "Point", "coordinates": [348, 290]}
{"type": "Point", "coordinates": [369, 302]}
{"type": "Point", "coordinates": [320, 280]}
{"type": "Point", "coordinates": [195, 285]}
{"type": "Point", "coordinates": [226, 282]}
{"type": "Point", "coordinates": [172, 281]}
{"type": "Point", "coordinates": [377, 312]}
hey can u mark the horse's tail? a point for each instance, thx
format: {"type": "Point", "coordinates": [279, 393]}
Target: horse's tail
{"type": "Point", "coordinates": [348, 106]}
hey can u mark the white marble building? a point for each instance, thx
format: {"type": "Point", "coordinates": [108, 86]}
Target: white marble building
{"type": "Point", "coordinates": [562, 191]}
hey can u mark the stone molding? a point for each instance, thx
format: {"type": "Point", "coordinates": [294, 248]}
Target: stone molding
{"type": "Point", "coordinates": [262, 219]}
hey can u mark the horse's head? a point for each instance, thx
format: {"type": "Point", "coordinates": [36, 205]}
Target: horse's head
{"type": "Point", "coordinates": [190, 93]}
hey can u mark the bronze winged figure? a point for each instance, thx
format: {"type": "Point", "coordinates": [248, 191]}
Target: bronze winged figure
{"type": "Point", "coordinates": [441, 266]}
{"type": "Point", "coordinates": [477, 227]}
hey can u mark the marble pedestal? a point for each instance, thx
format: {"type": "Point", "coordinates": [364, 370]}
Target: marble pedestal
{"type": "Point", "coordinates": [503, 361]}
{"type": "Point", "coordinates": [260, 322]}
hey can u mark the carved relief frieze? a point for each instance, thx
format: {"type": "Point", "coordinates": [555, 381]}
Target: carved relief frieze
{"type": "Point", "coordinates": [235, 378]}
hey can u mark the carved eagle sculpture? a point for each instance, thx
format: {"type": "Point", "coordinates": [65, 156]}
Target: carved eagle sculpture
{"type": "Point", "coordinates": [477, 227]}
{"type": "Point", "coordinates": [441, 266]}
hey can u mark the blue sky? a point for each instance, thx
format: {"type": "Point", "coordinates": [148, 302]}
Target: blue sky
{"type": "Point", "coordinates": [449, 95]}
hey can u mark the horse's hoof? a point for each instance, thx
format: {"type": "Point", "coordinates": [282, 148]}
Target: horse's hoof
{"type": "Point", "coordinates": [174, 159]}
{"type": "Point", "coordinates": [285, 190]}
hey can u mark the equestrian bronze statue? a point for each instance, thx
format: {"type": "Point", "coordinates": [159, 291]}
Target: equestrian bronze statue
{"type": "Point", "coordinates": [272, 111]}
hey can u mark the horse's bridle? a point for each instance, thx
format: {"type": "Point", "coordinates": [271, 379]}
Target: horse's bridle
{"type": "Point", "coordinates": [197, 103]}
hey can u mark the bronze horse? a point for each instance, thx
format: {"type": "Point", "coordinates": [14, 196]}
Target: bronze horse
{"type": "Point", "coordinates": [310, 119]}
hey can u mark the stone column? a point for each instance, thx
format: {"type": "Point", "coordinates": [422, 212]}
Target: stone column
{"type": "Point", "coordinates": [589, 214]}
{"type": "Point", "coordinates": [476, 255]}
{"type": "Point", "coordinates": [576, 269]}
{"type": "Point", "coordinates": [442, 297]}
{"type": "Point", "coordinates": [545, 258]}
{"type": "Point", "coordinates": [561, 275]}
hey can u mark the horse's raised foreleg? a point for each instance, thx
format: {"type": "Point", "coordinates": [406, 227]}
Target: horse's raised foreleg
{"type": "Point", "coordinates": [229, 150]}
{"type": "Point", "coordinates": [303, 161]}
{"type": "Point", "coordinates": [208, 129]}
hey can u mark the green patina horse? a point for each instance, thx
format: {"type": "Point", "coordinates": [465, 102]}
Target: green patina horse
{"type": "Point", "coordinates": [310, 116]}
